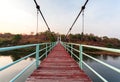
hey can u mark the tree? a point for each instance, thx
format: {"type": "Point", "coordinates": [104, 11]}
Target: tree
{"type": "Point", "coordinates": [16, 38]}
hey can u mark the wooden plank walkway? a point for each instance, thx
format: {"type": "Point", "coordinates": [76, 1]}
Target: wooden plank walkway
{"type": "Point", "coordinates": [58, 67]}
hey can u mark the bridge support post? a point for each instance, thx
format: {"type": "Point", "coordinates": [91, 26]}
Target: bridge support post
{"type": "Point", "coordinates": [52, 45]}
{"type": "Point", "coordinates": [80, 56]}
{"type": "Point", "coordinates": [71, 50]}
{"type": "Point", "coordinates": [66, 46]}
{"type": "Point", "coordinates": [37, 55]}
{"type": "Point", "coordinates": [46, 49]}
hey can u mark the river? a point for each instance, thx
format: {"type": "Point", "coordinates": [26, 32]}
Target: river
{"type": "Point", "coordinates": [107, 73]}
{"type": "Point", "coordinates": [7, 74]}
{"type": "Point", "coordinates": [110, 75]}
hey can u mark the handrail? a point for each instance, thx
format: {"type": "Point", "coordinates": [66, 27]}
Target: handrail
{"type": "Point", "coordinates": [19, 74]}
{"type": "Point", "coordinates": [103, 48]}
{"type": "Point", "coordinates": [16, 47]}
{"type": "Point", "coordinates": [70, 48]}
{"type": "Point", "coordinates": [107, 65]}
{"type": "Point", "coordinates": [103, 79]}
{"type": "Point", "coordinates": [46, 48]}
{"type": "Point", "coordinates": [17, 61]}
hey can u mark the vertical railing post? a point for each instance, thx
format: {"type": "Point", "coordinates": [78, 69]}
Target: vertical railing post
{"type": "Point", "coordinates": [65, 46]}
{"type": "Point", "coordinates": [71, 50]}
{"type": "Point", "coordinates": [80, 56]}
{"type": "Point", "coordinates": [37, 55]}
{"type": "Point", "coordinates": [55, 43]}
{"type": "Point", "coordinates": [52, 46]}
{"type": "Point", "coordinates": [46, 49]}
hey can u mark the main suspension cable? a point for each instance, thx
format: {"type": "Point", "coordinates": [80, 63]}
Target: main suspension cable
{"type": "Point", "coordinates": [38, 9]}
{"type": "Point", "coordinates": [82, 9]}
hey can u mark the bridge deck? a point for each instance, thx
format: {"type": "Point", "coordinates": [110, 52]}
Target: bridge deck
{"type": "Point", "coordinates": [58, 67]}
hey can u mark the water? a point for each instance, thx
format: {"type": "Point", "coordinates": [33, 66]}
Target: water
{"type": "Point", "coordinates": [7, 74]}
{"type": "Point", "coordinates": [107, 73]}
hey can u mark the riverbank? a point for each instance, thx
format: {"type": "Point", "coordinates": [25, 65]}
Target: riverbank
{"type": "Point", "coordinates": [103, 53]}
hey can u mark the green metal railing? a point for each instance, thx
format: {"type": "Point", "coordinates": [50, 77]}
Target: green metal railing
{"type": "Point", "coordinates": [69, 47]}
{"type": "Point", "coordinates": [46, 47]}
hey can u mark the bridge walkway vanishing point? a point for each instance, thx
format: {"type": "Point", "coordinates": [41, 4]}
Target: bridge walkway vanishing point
{"type": "Point", "coordinates": [58, 67]}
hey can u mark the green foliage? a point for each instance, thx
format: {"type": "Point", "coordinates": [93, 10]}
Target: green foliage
{"type": "Point", "coordinates": [63, 37]}
{"type": "Point", "coordinates": [5, 42]}
{"type": "Point", "coordinates": [9, 39]}
{"type": "Point", "coordinates": [16, 38]}
{"type": "Point", "coordinates": [91, 39]}
{"type": "Point", "coordinates": [109, 45]}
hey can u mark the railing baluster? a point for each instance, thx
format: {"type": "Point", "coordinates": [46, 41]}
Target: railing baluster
{"type": "Point", "coordinates": [65, 46]}
{"type": "Point", "coordinates": [71, 50]}
{"type": "Point", "coordinates": [46, 49]}
{"type": "Point", "coordinates": [50, 46]}
{"type": "Point", "coordinates": [37, 55]}
{"type": "Point", "coordinates": [80, 56]}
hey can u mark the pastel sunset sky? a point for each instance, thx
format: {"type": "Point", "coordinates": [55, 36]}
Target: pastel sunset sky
{"type": "Point", "coordinates": [102, 17]}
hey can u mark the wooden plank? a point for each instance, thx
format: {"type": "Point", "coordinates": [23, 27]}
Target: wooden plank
{"type": "Point", "coordinates": [58, 67]}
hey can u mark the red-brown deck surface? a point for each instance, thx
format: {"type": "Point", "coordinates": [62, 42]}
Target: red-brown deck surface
{"type": "Point", "coordinates": [58, 67]}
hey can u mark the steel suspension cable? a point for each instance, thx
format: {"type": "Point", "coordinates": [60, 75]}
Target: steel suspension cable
{"type": "Point", "coordinates": [38, 9]}
{"type": "Point", "coordinates": [82, 9]}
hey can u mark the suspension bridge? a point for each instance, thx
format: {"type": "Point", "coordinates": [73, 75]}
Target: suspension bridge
{"type": "Point", "coordinates": [59, 64]}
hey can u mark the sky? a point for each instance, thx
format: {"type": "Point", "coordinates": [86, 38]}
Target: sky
{"type": "Point", "coordinates": [102, 17]}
